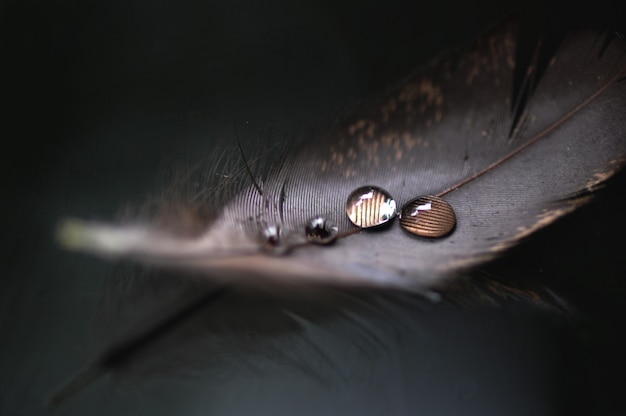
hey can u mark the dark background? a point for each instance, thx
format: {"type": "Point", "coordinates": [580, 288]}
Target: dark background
{"type": "Point", "coordinates": [102, 97]}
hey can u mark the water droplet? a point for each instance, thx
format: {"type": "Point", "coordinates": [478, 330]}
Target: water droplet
{"type": "Point", "coordinates": [271, 235]}
{"type": "Point", "coordinates": [370, 206]}
{"type": "Point", "coordinates": [320, 230]}
{"type": "Point", "coordinates": [428, 216]}
{"type": "Point", "coordinates": [273, 241]}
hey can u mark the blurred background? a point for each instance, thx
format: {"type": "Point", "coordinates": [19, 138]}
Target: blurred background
{"type": "Point", "coordinates": [102, 99]}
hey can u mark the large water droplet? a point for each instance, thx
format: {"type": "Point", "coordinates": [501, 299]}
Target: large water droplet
{"type": "Point", "coordinates": [428, 216]}
{"type": "Point", "coordinates": [320, 230]}
{"type": "Point", "coordinates": [370, 206]}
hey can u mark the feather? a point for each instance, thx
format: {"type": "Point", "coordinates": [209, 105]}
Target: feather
{"type": "Point", "coordinates": [236, 340]}
{"type": "Point", "coordinates": [511, 137]}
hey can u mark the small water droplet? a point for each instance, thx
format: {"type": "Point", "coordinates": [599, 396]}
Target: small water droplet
{"type": "Point", "coordinates": [271, 235]}
{"type": "Point", "coordinates": [428, 216]}
{"type": "Point", "coordinates": [320, 230]}
{"type": "Point", "coordinates": [273, 241]}
{"type": "Point", "coordinates": [370, 206]}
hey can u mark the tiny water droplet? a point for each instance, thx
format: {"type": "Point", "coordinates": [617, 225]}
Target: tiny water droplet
{"type": "Point", "coordinates": [273, 240]}
{"type": "Point", "coordinates": [320, 230]}
{"type": "Point", "coordinates": [271, 235]}
{"type": "Point", "coordinates": [428, 216]}
{"type": "Point", "coordinates": [370, 206]}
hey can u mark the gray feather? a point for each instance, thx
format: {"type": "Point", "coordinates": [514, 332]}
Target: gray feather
{"type": "Point", "coordinates": [508, 166]}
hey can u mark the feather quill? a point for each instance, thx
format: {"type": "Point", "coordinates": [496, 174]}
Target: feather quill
{"type": "Point", "coordinates": [512, 143]}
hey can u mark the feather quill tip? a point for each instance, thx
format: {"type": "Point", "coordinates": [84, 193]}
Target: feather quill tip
{"type": "Point", "coordinates": [95, 238]}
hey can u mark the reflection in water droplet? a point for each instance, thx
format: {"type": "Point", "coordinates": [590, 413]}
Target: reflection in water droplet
{"type": "Point", "coordinates": [370, 206]}
{"type": "Point", "coordinates": [428, 216]}
{"type": "Point", "coordinates": [320, 230]}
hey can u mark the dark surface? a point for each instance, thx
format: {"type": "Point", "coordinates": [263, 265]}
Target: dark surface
{"type": "Point", "coordinates": [104, 97]}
